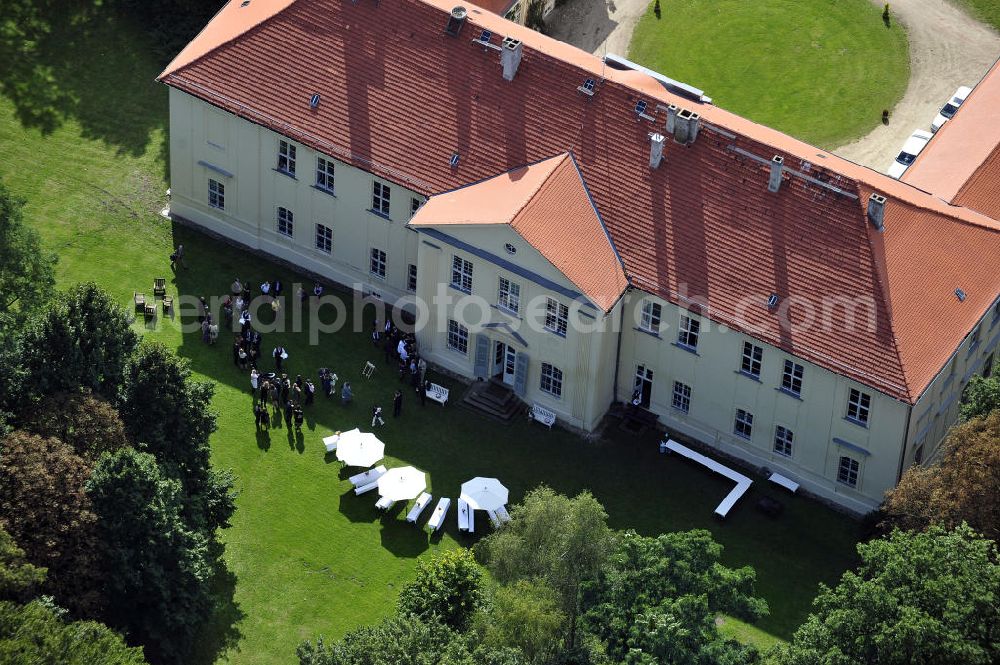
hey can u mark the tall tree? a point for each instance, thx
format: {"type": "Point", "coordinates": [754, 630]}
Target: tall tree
{"type": "Point", "coordinates": [81, 340]}
{"type": "Point", "coordinates": [525, 616]}
{"type": "Point", "coordinates": [981, 397]}
{"type": "Point", "coordinates": [658, 597]}
{"type": "Point", "coordinates": [18, 579]}
{"type": "Point", "coordinates": [88, 423]}
{"type": "Point", "coordinates": [26, 275]}
{"type": "Point", "coordinates": [963, 487]}
{"type": "Point", "coordinates": [447, 588]}
{"type": "Point", "coordinates": [158, 570]}
{"type": "Point", "coordinates": [37, 633]}
{"type": "Point", "coordinates": [917, 598]}
{"type": "Point", "coordinates": [551, 538]}
{"type": "Point", "coordinates": [399, 639]}
{"type": "Point", "coordinates": [44, 506]}
{"type": "Point", "coordinates": [169, 412]}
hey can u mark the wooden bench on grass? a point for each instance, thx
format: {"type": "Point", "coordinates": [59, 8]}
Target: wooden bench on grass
{"type": "Point", "coordinates": [437, 393]}
{"type": "Point", "coordinates": [542, 415]}
{"type": "Point", "coordinates": [440, 511]}
{"type": "Point", "coordinates": [418, 507]}
{"type": "Point", "coordinates": [787, 483]}
{"type": "Point", "coordinates": [742, 482]}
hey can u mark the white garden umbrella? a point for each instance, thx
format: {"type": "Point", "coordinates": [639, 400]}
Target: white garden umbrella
{"type": "Point", "coordinates": [357, 448]}
{"type": "Point", "coordinates": [402, 484]}
{"type": "Point", "coordinates": [484, 493]}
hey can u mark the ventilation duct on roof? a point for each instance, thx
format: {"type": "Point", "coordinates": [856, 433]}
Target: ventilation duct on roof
{"type": "Point", "coordinates": [876, 211]}
{"type": "Point", "coordinates": [510, 57]}
{"type": "Point", "coordinates": [777, 167]}
{"type": "Point", "coordinates": [656, 141]}
{"type": "Point", "coordinates": [686, 126]}
{"type": "Point", "coordinates": [456, 20]}
{"type": "Point", "coordinates": [671, 118]}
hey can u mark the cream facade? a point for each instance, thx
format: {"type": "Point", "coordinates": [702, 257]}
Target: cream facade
{"type": "Point", "coordinates": [840, 439]}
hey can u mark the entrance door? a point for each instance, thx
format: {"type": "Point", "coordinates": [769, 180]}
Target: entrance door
{"type": "Point", "coordinates": [504, 363]}
{"type": "Point", "coordinates": [643, 385]}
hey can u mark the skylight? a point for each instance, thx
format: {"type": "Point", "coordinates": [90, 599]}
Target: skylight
{"type": "Point", "coordinates": [314, 101]}
{"type": "Point", "coordinates": [454, 160]}
{"type": "Point", "coordinates": [485, 36]}
{"type": "Point", "coordinates": [960, 294]}
{"type": "Point", "coordinates": [640, 107]}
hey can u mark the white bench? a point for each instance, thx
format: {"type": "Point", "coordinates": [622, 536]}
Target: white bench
{"type": "Point", "coordinates": [371, 475]}
{"type": "Point", "coordinates": [494, 518]}
{"type": "Point", "coordinates": [543, 415]}
{"type": "Point", "coordinates": [503, 514]}
{"type": "Point", "coordinates": [438, 393]}
{"type": "Point", "coordinates": [440, 511]}
{"type": "Point", "coordinates": [331, 442]}
{"type": "Point", "coordinates": [361, 489]}
{"type": "Point", "coordinates": [384, 503]}
{"type": "Point", "coordinates": [787, 483]}
{"type": "Point", "coordinates": [418, 507]}
{"type": "Point", "coordinates": [466, 517]}
{"type": "Point", "coordinates": [742, 482]}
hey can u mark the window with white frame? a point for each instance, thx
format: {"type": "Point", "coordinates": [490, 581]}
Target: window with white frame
{"type": "Point", "coordinates": [751, 361]}
{"type": "Point", "coordinates": [859, 406]}
{"type": "Point", "coordinates": [743, 426]}
{"type": "Point", "coordinates": [324, 238]}
{"type": "Point", "coordinates": [415, 205]}
{"type": "Point", "coordinates": [509, 295]}
{"type": "Point", "coordinates": [216, 194]}
{"type": "Point", "coordinates": [649, 319]}
{"type": "Point", "coordinates": [552, 378]}
{"type": "Point", "coordinates": [791, 377]}
{"type": "Point", "coordinates": [377, 266]}
{"type": "Point", "coordinates": [458, 337]}
{"type": "Point", "coordinates": [783, 441]}
{"type": "Point", "coordinates": [411, 277]}
{"type": "Point", "coordinates": [286, 224]}
{"type": "Point", "coordinates": [286, 157]}
{"type": "Point", "coordinates": [556, 317]}
{"type": "Point", "coordinates": [380, 198]}
{"type": "Point", "coordinates": [324, 174]}
{"type": "Point", "coordinates": [682, 397]}
{"type": "Point", "coordinates": [687, 333]}
{"type": "Point", "coordinates": [847, 471]}
{"type": "Point", "coordinates": [461, 274]}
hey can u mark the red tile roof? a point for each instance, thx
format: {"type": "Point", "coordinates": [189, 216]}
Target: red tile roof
{"type": "Point", "coordinates": [546, 204]}
{"type": "Point", "coordinates": [963, 145]}
{"type": "Point", "coordinates": [399, 97]}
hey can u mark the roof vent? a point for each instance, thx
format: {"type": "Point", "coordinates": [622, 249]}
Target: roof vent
{"type": "Point", "coordinates": [456, 20]}
{"type": "Point", "coordinates": [510, 57]}
{"type": "Point", "coordinates": [772, 302]}
{"type": "Point", "coordinates": [686, 126]}
{"type": "Point", "coordinates": [314, 101]}
{"type": "Point", "coordinates": [671, 118]}
{"type": "Point", "coordinates": [876, 211]}
{"type": "Point", "coordinates": [777, 166]}
{"type": "Point", "coordinates": [655, 150]}
{"type": "Point", "coordinates": [588, 87]}
{"type": "Point", "coordinates": [454, 160]}
{"type": "Point", "coordinates": [960, 294]}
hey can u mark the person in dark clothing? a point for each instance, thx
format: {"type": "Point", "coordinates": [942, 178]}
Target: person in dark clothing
{"type": "Point", "coordinates": [298, 380]}
{"type": "Point", "coordinates": [286, 385]}
{"type": "Point", "coordinates": [289, 412]}
{"type": "Point", "coordinates": [324, 381]}
{"type": "Point", "coordinates": [297, 413]}
{"type": "Point", "coordinates": [397, 403]}
{"type": "Point", "coordinates": [276, 288]}
{"type": "Point", "coordinates": [265, 417]}
{"type": "Point", "coordinates": [277, 354]}
{"type": "Point", "coordinates": [258, 415]}
{"type": "Point", "coordinates": [237, 345]}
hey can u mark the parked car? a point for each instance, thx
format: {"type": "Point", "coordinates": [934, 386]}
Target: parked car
{"type": "Point", "coordinates": [918, 139]}
{"type": "Point", "coordinates": [948, 110]}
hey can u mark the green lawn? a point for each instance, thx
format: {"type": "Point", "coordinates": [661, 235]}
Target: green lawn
{"type": "Point", "coordinates": [987, 11]}
{"type": "Point", "coordinates": [307, 556]}
{"type": "Point", "coordinates": [820, 70]}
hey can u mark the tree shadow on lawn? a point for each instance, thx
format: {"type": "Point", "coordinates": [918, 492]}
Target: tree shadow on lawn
{"type": "Point", "coordinates": [640, 488]}
{"type": "Point", "coordinates": [400, 537]}
{"type": "Point", "coordinates": [90, 65]}
{"type": "Point", "coordinates": [221, 632]}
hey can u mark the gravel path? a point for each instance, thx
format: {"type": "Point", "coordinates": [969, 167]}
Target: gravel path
{"type": "Point", "coordinates": [948, 48]}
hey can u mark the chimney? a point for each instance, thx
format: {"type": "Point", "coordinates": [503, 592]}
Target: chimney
{"type": "Point", "coordinates": [694, 123]}
{"type": "Point", "coordinates": [671, 118]}
{"type": "Point", "coordinates": [510, 57]}
{"type": "Point", "coordinates": [777, 166]}
{"type": "Point", "coordinates": [655, 150]}
{"type": "Point", "coordinates": [876, 211]}
{"type": "Point", "coordinates": [456, 20]}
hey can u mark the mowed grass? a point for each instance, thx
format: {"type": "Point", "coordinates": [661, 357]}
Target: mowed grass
{"type": "Point", "coordinates": [819, 70]}
{"type": "Point", "coordinates": [306, 556]}
{"type": "Point", "coordinates": [987, 11]}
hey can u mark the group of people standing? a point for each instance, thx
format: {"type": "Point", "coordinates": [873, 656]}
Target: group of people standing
{"type": "Point", "coordinates": [284, 395]}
